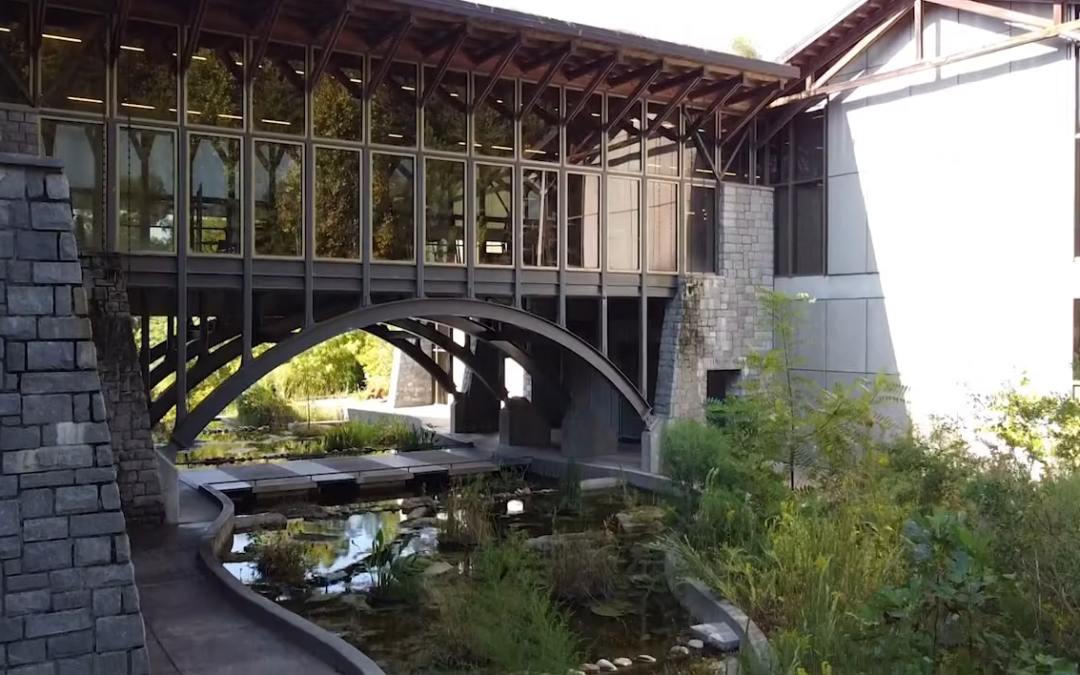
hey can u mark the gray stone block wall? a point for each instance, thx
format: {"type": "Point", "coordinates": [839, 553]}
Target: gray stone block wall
{"type": "Point", "coordinates": [19, 131]}
{"type": "Point", "coordinates": [69, 600]}
{"type": "Point", "coordinates": [716, 320]}
{"type": "Point", "coordinates": [122, 387]}
{"type": "Point", "coordinates": [410, 385]}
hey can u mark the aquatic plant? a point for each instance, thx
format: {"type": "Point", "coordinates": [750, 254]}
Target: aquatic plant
{"type": "Point", "coordinates": [379, 435]}
{"type": "Point", "coordinates": [280, 558]}
{"type": "Point", "coordinates": [395, 577]}
{"type": "Point", "coordinates": [580, 568]}
{"type": "Point", "coordinates": [469, 520]}
{"type": "Point", "coordinates": [506, 619]}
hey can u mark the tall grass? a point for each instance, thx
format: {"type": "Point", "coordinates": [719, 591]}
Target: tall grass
{"type": "Point", "coordinates": [506, 620]}
{"type": "Point", "coordinates": [469, 521]}
{"type": "Point", "coordinates": [263, 406]}
{"type": "Point", "coordinates": [379, 435]}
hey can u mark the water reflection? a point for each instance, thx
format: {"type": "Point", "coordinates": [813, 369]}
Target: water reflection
{"type": "Point", "coordinates": [336, 546]}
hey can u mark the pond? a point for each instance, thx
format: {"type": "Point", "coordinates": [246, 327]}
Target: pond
{"type": "Point", "coordinates": [595, 554]}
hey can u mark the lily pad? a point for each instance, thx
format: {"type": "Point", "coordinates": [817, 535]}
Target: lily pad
{"type": "Point", "coordinates": [612, 608]}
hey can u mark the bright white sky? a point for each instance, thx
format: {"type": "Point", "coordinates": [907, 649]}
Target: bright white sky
{"type": "Point", "coordinates": [772, 25]}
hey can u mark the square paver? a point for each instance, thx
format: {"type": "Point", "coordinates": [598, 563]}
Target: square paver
{"type": "Point", "coordinates": [293, 484]}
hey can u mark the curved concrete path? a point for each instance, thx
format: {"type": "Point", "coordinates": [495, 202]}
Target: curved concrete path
{"type": "Point", "coordinates": [191, 629]}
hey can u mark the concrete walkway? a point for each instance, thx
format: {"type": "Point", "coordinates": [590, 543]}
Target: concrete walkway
{"type": "Point", "coordinates": [191, 629]}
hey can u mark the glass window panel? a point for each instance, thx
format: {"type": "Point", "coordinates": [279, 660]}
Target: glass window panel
{"type": "Point", "coordinates": [696, 161]}
{"type": "Point", "coordinates": [81, 147]}
{"type": "Point", "coordinates": [540, 218]}
{"type": "Point", "coordinates": [585, 133]}
{"type": "Point", "coordinates": [215, 82]}
{"type": "Point", "coordinates": [73, 62]}
{"type": "Point", "coordinates": [14, 50]}
{"type": "Point", "coordinates": [444, 191]}
{"type": "Point", "coordinates": [393, 107]}
{"type": "Point", "coordinates": [541, 128]}
{"type": "Point", "coordinates": [337, 204]}
{"type": "Point", "coordinates": [663, 226]}
{"type": "Point", "coordinates": [446, 119]}
{"type": "Point", "coordinates": [277, 91]}
{"type": "Point", "coordinates": [624, 224]}
{"type": "Point", "coordinates": [494, 215]}
{"type": "Point", "coordinates": [216, 206]}
{"type": "Point", "coordinates": [338, 109]}
{"type": "Point", "coordinates": [782, 235]}
{"type": "Point", "coordinates": [393, 212]}
{"type": "Point", "coordinates": [583, 221]}
{"type": "Point", "coordinates": [279, 203]}
{"type": "Point", "coordinates": [810, 228]}
{"type": "Point", "coordinates": [809, 139]}
{"type": "Point", "coordinates": [624, 141]}
{"type": "Point", "coordinates": [701, 250]}
{"type": "Point", "coordinates": [146, 79]}
{"type": "Point", "coordinates": [662, 148]}
{"type": "Point", "coordinates": [493, 122]}
{"type": "Point", "coordinates": [147, 191]}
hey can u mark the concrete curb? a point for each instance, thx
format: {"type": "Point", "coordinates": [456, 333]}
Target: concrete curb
{"type": "Point", "coordinates": [325, 646]}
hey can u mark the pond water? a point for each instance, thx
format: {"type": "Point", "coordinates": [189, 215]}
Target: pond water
{"type": "Point", "coordinates": [635, 615]}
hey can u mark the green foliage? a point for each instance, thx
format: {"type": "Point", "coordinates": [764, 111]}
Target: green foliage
{"type": "Point", "coordinates": [506, 620]}
{"type": "Point", "coordinates": [1045, 428]}
{"type": "Point", "coordinates": [381, 435]}
{"type": "Point", "coordinates": [744, 46]}
{"type": "Point", "coordinates": [582, 568]}
{"type": "Point", "coordinates": [263, 406]}
{"type": "Point", "coordinates": [468, 521]}
{"type": "Point", "coordinates": [280, 558]}
{"type": "Point", "coordinates": [396, 577]}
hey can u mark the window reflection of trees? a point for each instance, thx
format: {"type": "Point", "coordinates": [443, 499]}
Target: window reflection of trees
{"type": "Point", "coordinates": [624, 140]}
{"type": "Point", "coordinates": [540, 221]}
{"type": "Point", "coordinates": [279, 172]}
{"type": "Point", "coordinates": [662, 146]}
{"type": "Point", "coordinates": [624, 224]}
{"type": "Point", "coordinates": [81, 146]}
{"type": "Point", "coordinates": [444, 191]}
{"type": "Point", "coordinates": [663, 214]}
{"type": "Point", "coordinates": [338, 109]}
{"type": "Point", "coordinates": [393, 105]}
{"type": "Point", "coordinates": [337, 204]}
{"type": "Point", "coordinates": [146, 190]}
{"type": "Point", "coordinates": [277, 91]}
{"type": "Point", "coordinates": [446, 120]}
{"type": "Point", "coordinates": [494, 215]}
{"type": "Point", "coordinates": [215, 194]}
{"type": "Point", "coordinates": [215, 82]}
{"type": "Point", "coordinates": [494, 119]}
{"type": "Point", "coordinates": [146, 72]}
{"type": "Point", "coordinates": [540, 127]}
{"type": "Point", "coordinates": [584, 133]}
{"type": "Point", "coordinates": [15, 84]}
{"type": "Point", "coordinates": [393, 180]}
{"type": "Point", "coordinates": [583, 221]}
{"type": "Point", "coordinates": [73, 61]}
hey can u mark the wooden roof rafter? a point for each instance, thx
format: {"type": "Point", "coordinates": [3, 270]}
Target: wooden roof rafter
{"type": "Point", "coordinates": [197, 16]}
{"type": "Point", "coordinates": [119, 25]}
{"type": "Point", "coordinates": [266, 28]}
{"type": "Point", "coordinates": [554, 66]}
{"type": "Point", "coordinates": [332, 37]}
{"type": "Point", "coordinates": [452, 50]}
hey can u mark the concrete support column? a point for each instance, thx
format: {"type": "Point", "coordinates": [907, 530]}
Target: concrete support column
{"type": "Point", "coordinates": [476, 410]}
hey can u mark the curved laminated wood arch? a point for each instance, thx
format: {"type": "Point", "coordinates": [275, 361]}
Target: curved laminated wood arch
{"type": "Point", "coordinates": [421, 308]}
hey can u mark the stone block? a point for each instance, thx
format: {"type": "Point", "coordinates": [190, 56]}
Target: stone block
{"type": "Point", "coordinates": [107, 602]}
{"type": "Point", "coordinates": [50, 355]}
{"type": "Point", "coordinates": [76, 499]}
{"type": "Point", "coordinates": [57, 186]}
{"type": "Point", "coordinates": [10, 404]}
{"type": "Point", "coordinates": [62, 300]}
{"type": "Point", "coordinates": [30, 300]}
{"type": "Point", "coordinates": [47, 459]}
{"type": "Point", "coordinates": [26, 651]}
{"type": "Point", "coordinates": [10, 523]}
{"type": "Point", "coordinates": [61, 581]}
{"type": "Point", "coordinates": [71, 644]}
{"type": "Point", "coordinates": [122, 632]}
{"type": "Point", "coordinates": [29, 602]}
{"type": "Point", "coordinates": [113, 663]}
{"type": "Point", "coordinates": [57, 623]}
{"type": "Point", "coordinates": [18, 327]}
{"type": "Point", "coordinates": [12, 184]}
{"type": "Point", "coordinates": [15, 358]}
{"type": "Point", "coordinates": [54, 383]}
{"type": "Point", "coordinates": [57, 273]}
{"type": "Point", "coordinates": [71, 600]}
{"type": "Point", "coordinates": [85, 355]}
{"type": "Point", "coordinates": [80, 665]}
{"type": "Point", "coordinates": [93, 524]}
{"type": "Point", "coordinates": [11, 629]}
{"type": "Point", "coordinates": [93, 551]}
{"type": "Point", "coordinates": [110, 497]}
{"type": "Point", "coordinates": [63, 328]}
{"type": "Point", "coordinates": [50, 216]}
{"type": "Point", "coordinates": [30, 481]}
{"type": "Point", "coordinates": [45, 529]}
{"type": "Point", "coordinates": [36, 503]}
{"type": "Point", "coordinates": [46, 408]}
{"type": "Point", "coordinates": [18, 438]}
{"type": "Point", "coordinates": [43, 556]}
{"type": "Point", "coordinates": [27, 582]}
{"type": "Point", "coordinates": [78, 433]}
{"type": "Point", "coordinates": [31, 245]}
{"type": "Point", "coordinates": [108, 576]}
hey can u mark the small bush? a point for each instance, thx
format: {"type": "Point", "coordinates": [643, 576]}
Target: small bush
{"type": "Point", "coordinates": [468, 521]}
{"type": "Point", "coordinates": [506, 620]}
{"type": "Point", "coordinates": [582, 569]}
{"type": "Point", "coordinates": [262, 406]}
{"type": "Point", "coordinates": [279, 558]}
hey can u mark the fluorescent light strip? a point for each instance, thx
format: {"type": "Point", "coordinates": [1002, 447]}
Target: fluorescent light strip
{"type": "Point", "coordinates": [280, 122]}
{"type": "Point", "coordinates": [406, 87]}
{"type": "Point", "coordinates": [62, 38]}
{"type": "Point", "coordinates": [395, 135]}
{"type": "Point", "coordinates": [81, 99]}
{"type": "Point", "coordinates": [4, 30]}
{"type": "Point", "coordinates": [502, 147]}
{"type": "Point", "coordinates": [138, 106]}
{"type": "Point", "coordinates": [130, 48]}
{"type": "Point", "coordinates": [230, 117]}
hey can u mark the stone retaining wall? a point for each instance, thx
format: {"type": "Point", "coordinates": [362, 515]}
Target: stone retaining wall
{"type": "Point", "coordinates": [19, 131]}
{"type": "Point", "coordinates": [70, 604]}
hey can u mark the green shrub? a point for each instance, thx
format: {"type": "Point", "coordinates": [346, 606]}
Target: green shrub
{"type": "Point", "coordinates": [280, 558]}
{"type": "Point", "coordinates": [262, 406]}
{"type": "Point", "coordinates": [506, 620]}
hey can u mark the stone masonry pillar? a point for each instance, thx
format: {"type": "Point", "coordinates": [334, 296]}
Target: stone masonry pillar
{"type": "Point", "coordinates": [475, 409]}
{"type": "Point", "coordinates": [70, 604]}
{"type": "Point", "coordinates": [410, 385]}
{"type": "Point", "coordinates": [122, 386]}
{"type": "Point", "coordinates": [716, 320]}
{"type": "Point", "coordinates": [19, 130]}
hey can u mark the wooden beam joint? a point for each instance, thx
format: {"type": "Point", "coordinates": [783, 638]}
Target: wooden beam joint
{"type": "Point", "coordinates": [331, 43]}
{"type": "Point", "coordinates": [266, 23]}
